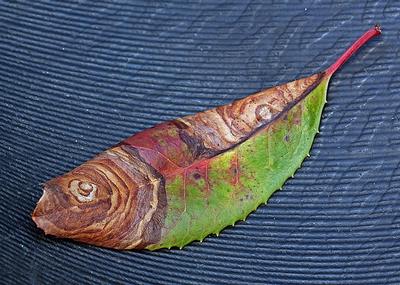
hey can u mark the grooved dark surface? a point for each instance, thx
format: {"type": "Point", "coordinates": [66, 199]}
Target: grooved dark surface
{"type": "Point", "coordinates": [77, 77]}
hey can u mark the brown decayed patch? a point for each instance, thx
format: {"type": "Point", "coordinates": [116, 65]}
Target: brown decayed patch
{"type": "Point", "coordinates": [127, 209]}
{"type": "Point", "coordinates": [213, 131]}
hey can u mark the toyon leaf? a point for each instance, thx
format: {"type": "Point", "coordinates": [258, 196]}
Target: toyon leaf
{"type": "Point", "coordinates": [185, 179]}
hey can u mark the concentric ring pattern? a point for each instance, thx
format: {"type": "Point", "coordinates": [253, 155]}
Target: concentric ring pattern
{"type": "Point", "coordinates": [78, 76]}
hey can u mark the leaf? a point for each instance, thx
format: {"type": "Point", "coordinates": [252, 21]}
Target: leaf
{"type": "Point", "coordinates": [185, 179]}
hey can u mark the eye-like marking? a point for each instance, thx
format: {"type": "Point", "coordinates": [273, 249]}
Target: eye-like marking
{"type": "Point", "coordinates": [84, 191]}
{"type": "Point", "coordinates": [263, 112]}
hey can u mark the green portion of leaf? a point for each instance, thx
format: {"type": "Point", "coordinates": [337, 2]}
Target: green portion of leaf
{"type": "Point", "coordinates": [223, 194]}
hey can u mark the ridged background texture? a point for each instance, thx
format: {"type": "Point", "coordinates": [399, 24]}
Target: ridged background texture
{"type": "Point", "coordinates": [76, 77]}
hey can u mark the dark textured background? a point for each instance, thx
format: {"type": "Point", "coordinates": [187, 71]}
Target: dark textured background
{"type": "Point", "coordinates": [77, 77]}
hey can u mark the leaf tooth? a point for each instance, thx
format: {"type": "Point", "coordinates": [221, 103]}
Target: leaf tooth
{"type": "Point", "coordinates": [308, 155]}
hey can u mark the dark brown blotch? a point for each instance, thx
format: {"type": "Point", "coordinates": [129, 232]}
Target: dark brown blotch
{"type": "Point", "coordinates": [195, 145]}
{"type": "Point", "coordinates": [196, 176]}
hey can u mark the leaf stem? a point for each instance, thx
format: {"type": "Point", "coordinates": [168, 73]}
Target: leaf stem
{"type": "Point", "coordinates": [368, 35]}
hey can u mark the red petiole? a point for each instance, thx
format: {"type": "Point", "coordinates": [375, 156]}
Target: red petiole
{"type": "Point", "coordinates": [373, 32]}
